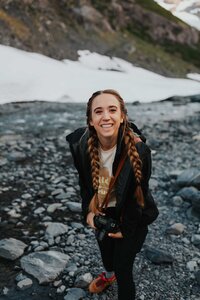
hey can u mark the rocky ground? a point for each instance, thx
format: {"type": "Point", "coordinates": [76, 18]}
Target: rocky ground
{"type": "Point", "coordinates": [40, 204]}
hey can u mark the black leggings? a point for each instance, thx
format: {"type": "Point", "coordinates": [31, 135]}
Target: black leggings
{"type": "Point", "coordinates": [118, 255]}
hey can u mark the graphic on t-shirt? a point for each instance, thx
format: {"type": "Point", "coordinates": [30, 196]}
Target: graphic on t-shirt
{"type": "Point", "coordinates": [105, 175]}
{"type": "Point", "coordinates": [104, 181]}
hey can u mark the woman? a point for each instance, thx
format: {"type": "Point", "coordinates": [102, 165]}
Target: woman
{"type": "Point", "coordinates": [112, 149]}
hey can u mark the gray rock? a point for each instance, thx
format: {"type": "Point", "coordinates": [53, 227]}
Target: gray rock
{"type": "Point", "coordinates": [20, 277]}
{"type": "Point", "coordinates": [192, 265]}
{"type": "Point", "coordinates": [186, 241]}
{"type": "Point", "coordinates": [57, 283]}
{"type": "Point", "coordinates": [187, 193]}
{"type": "Point", "coordinates": [175, 229]}
{"type": "Point", "coordinates": [75, 294]}
{"type": "Point", "coordinates": [196, 202]}
{"type": "Point", "coordinates": [59, 179]}
{"type": "Point", "coordinates": [83, 281]}
{"type": "Point", "coordinates": [11, 248]}
{"type": "Point", "coordinates": [190, 177]}
{"type": "Point", "coordinates": [3, 161]}
{"type": "Point", "coordinates": [177, 201]}
{"type": "Point", "coordinates": [62, 196]}
{"type": "Point", "coordinates": [70, 189]}
{"type": "Point", "coordinates": [61, 289]}
{"type": "Point", "coordinates": [196, 240]}
{"type": "Point", "coordinates": [196, 137]}
{"type": "Point", "coordinates": [175, 173]}
{"type": "Point", "coordinates": [39, 210]}
{"type": "Point", "coordinates": [52, 208]}
{"type": "Point", "coordinates": [24, 284]}
{"type": "Point", "coordinates": [45, 266]}
{"type": "Point", "coordinates": [16, 156]}
{"type": "Point", "coordinates": [158, 256]}
{"type": "Point", "coordinates": [197, 276]}
{"type": "Point", "coordinates": [57, 192]}
{"type": "Point", "coordinates": [5, 291]}
{"type": "Point", "coordinates": [56, 229]}
{"type": "Point", "coordinates": [42, 246]}
{"type": "Point", "coordinates": [74, 207]}
{"type": "Point", "coordinates": [70, 240]}
{"type": "Point", "coordinates": [192, 214]}
{"type": "Point", "coordinates": [14, 214]}
{"type": "Point", "coordinates": [26, 196]}
{"type": "Point", "coordinates": [71, 268]}
{"type": "Point", "coordinates": [77, 225]}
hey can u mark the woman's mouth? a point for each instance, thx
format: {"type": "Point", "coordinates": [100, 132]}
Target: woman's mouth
{"type": "Point", "coordinates": [106, 125]}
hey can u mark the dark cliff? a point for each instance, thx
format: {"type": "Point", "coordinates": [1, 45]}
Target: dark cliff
{"type": "Point", "coordinates": [139, 31]}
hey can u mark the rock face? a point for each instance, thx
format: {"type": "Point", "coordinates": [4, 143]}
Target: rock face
{"type": "Point", "coordinates": [45, 266]}
{"type": "Point", "coordinates": [60, 28]}
{"type": "Point", "coordinates": [11, 248]}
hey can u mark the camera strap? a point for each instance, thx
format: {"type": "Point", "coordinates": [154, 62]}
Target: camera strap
{"type": "Point", "coordinates": [113, 180]}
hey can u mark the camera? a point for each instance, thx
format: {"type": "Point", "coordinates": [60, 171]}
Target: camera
{"type": "Point", "coordinates": [105, 225]}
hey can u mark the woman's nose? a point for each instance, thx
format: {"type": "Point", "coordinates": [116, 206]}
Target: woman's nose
{"type": "Point", "coordinates": [106, 115]}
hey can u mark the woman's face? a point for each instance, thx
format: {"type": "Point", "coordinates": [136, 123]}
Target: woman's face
{"type": "Point", "coordinates": [106, 117]}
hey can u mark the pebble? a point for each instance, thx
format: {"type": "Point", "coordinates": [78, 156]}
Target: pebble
{"type": "Point", "coordinates": [175, 229]}
{"type": "Point", "coordinates": [24, 284]}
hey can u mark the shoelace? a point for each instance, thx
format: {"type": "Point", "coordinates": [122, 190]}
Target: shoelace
{"type": "Point", "coordinates": [103, 279]}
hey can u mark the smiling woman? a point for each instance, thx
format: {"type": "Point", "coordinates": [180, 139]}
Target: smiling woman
{"type": "Point", "coordinates": [106, 117]}
{"type": "Point", "coordinates": [114, 166]}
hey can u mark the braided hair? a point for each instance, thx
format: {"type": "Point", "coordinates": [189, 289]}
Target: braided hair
{"type": "Point", "coordinates": [129, 140]}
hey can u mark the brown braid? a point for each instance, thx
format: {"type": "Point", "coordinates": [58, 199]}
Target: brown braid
{"type": "Point", "coordinates": [94, 156]}
{"type": "Point", "coordinates": [136, 163]}
{"type": "Point", "coordinates": [94, 153]}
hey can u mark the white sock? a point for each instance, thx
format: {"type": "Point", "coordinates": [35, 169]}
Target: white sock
{"type": "Point", "coordinates": [109, 274]}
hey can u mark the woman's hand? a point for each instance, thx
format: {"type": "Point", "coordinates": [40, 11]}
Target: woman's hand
{"type": "Point", "coordinates": [117, 235]}
{"type": "Point", "coordinates": [90, 219]}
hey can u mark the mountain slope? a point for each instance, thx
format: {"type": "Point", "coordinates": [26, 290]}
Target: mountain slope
{"type": "Point", "coordinates": [189, 11]}
{"type": "Point", "coordinates": [137, 30]}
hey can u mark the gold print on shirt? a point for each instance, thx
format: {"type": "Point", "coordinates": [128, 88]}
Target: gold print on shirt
{"type": "Point", "coordinates": [104, 181]}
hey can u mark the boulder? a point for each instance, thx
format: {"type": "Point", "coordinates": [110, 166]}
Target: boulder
{"type": "Point", "coordinates": [45, 266]}
{"type": "Point", "coordinates": [158, 256]}
{"type": "Point", "coordinates": [11, 248]}
{"type": "Point", "coordinates": [190, 177]}
{"type": "Point", "coordinates": [55, 229]}
{"type": "Point", "coordinates": [187, 193]}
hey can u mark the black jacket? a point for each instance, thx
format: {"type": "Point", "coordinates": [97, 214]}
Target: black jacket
{"type": "Point", "coordinates": [127, 209]}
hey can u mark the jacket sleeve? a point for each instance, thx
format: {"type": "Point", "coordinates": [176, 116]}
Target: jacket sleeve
{"type": "Point", "coordinates": [85, 193]}
{"type": "Point", "coordinates": [150, 211]}
{"type": "Point", "coordinates": [86, 198]}
{"type": "Point", "coordinates": [135, 219]}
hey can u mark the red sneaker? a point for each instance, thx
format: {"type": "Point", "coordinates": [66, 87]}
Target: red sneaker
{"type": "Point", "coordinates": [100, 283]}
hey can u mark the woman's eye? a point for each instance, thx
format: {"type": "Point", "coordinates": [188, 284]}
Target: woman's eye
{"type": "Point", "coordinates": [112, 110]}
{"type": "Point", "coordinates": [98, 112]}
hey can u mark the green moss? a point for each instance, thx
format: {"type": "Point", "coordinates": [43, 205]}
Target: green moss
{"type": "Point", "coordinates": [159, 59]}
{"type": "Point", "coordinates": [190, 54]}
{"type": "Point", "coordinates": [153, 6]}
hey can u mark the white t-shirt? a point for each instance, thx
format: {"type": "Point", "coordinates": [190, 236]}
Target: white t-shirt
{"type": "Point", "coordinates": [105, 175]}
